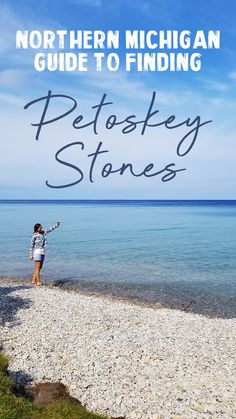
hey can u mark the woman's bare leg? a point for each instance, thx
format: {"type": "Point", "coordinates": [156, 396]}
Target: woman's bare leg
{"type": "Point", "coordinates": [33, 282]}
{"type": "Point", "coordinates": [36, 277]}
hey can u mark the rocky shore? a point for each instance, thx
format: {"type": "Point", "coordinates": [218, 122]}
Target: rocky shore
{"type": "Point", "coordinates": [120, 359]}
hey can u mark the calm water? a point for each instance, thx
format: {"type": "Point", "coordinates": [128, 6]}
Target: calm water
{"type": "Point", "coordinates": [176, 252]}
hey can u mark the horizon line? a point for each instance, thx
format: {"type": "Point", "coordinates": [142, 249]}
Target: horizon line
{"type": "Point", "coordinates": [116, 199]}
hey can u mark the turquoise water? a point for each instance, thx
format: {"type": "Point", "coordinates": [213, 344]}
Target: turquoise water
{"type": "Point", "coordinates": [175, 252]}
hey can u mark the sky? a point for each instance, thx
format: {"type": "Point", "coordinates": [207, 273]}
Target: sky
{"type": "Point", "coordinates": [128, 160]}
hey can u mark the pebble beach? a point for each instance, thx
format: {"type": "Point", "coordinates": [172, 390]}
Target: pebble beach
{"type": "Point", "coordinates": [118, 358]}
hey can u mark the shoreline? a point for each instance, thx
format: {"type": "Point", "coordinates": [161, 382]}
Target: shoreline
{"type": "Point", "coordinates": [120, 359]}
{"type": "Point", "coordinates": [54, 285]}
{"type": "Point", "coordinates": [197, 303]}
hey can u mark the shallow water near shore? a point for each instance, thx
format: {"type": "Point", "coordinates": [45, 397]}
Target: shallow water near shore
{"type": "Point", "coordinates": [178, 253]}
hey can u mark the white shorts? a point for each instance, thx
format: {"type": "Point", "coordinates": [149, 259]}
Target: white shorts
{"type": "Point", "coordinates": [39, 255]}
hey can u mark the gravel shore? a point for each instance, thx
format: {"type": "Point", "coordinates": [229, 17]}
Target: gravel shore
{"type": "Point", "coordinates": [120, 359]}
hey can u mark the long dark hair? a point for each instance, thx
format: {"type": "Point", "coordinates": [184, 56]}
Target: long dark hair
{"type": "Point", "coordinates": [36, 226]}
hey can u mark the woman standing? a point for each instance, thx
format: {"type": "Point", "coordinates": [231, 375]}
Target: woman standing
{"type": "Point", "coordinates": [37, 249]}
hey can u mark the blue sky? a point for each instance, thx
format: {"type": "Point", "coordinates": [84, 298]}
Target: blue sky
{"type": "Point", "coordinates": [210, 93]}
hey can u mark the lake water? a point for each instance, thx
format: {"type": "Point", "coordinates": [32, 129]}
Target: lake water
{"type": "Point", "coordinates": [179, 253]}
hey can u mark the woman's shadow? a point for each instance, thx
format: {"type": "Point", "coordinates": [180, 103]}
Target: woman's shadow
{"type": "Point", "coordinates": [10, 304]}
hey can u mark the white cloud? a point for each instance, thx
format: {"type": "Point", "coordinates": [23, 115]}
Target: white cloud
{"type": "Point", "coordinates": [233, 75]}
{"type": "Point", "coordinates": [11, 99]}
{"type": "Point", "coordinates": [8, 24]}
{"type": "Point", "coordinates": [121, 84]}
{"type": "Point", "coordinates": [13, 78]}
{"type": "Point", "coordinates": [217, 86]}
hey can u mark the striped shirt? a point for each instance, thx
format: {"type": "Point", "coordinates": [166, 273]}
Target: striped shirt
{"type": "Point", "coordinates": [39, 240]}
